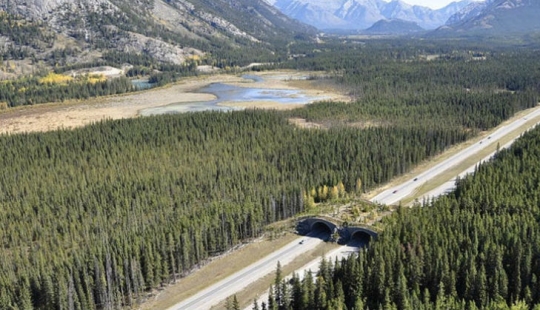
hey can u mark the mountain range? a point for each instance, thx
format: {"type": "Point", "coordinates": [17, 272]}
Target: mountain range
{"type": "Point", "coordinates": [495, 17]}
{"type": "Point", "coordinates": [70, 32]}
{"type": "Point", "coordinates": [362, 14]}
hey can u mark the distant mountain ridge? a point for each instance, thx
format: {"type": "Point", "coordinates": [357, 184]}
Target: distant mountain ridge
{"type": "Point", "coordinates": [496, 17]}
{"type": "Point", "coordinates": [362, 14]}
{"type": "Point", "coordinates": [470, 11]}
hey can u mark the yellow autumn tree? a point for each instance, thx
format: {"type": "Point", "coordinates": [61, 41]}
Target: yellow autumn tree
{"type": "Point", "coordinates": [341, 189]}
{"type": "Point", "coordinates": [313, 192]}
{"type": "Point", "coordinates": [334, 193]}
{"type": "Point", "coordinates": [322, 193]}
{"type": "Point", "coordinates": [309, 201]}
{"type": "Point", "coordinates": [359, 186]}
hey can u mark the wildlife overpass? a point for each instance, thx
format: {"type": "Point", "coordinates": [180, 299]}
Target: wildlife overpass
{"type": "Point", "coordinates": [331, 229]}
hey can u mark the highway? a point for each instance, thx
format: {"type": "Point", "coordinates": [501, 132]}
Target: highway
{"type": "Point", "coordinates": [395, 194]}
{"type": "Point", "coordinates": [214, 294]}
{"type": "Point", "coordinates": [229, 286]}
{"type": "Point", "coordinates": [313, 266]}
{"type": "Point", "coordinates": [451, 185]}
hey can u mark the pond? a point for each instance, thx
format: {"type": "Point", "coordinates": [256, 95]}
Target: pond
{"type": "Point", "coordinates": [142, 84]}
{"type": "Point", "coordinates": [231, 93]}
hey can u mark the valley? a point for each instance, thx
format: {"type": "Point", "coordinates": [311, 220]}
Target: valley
{"type": "Point", "coordinates": [75, 114]}
{"type": "Point", "coordinates": [150, 150]}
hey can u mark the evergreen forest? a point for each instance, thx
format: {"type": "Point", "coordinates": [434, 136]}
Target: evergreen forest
{"type": "Point", "coordinates": [475, 248]}
{"type": "Point", "coordinates": [93, 218]}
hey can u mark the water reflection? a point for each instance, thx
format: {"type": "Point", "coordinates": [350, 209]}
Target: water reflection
{"type": "Point", "coordinates": [231, 93]}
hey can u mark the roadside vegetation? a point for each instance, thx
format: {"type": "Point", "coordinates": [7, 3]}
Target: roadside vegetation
{"type": "Point", "coordinates": [92, 218]}
{"type": "Point", "coordinates": [476, 248]}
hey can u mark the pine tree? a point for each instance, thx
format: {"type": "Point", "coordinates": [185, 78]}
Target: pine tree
{"type": "Point", "coordinates": [235, 304]}
{"type": "Point", "coordinates": [255, 305]}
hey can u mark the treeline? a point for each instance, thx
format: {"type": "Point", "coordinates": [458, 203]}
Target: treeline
{"type": "Point", "coordinates": [475, 110]}
{"type": "Point", "coordinates": [30, 90]}
{"type": "Point", "coordinates": [83, 229]}
{"type": "Point", "coordinates": [472, 89]}
{"type": "Point", "coordinates": [476, 248]}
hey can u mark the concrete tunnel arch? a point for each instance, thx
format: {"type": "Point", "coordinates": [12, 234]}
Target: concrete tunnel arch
{"type": "Point", "coordinates": [361, 237]}
{"type": "Point", "coordinates": [323, 226]}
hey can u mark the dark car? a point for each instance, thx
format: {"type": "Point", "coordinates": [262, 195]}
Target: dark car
{"type": "Point", "coordinates": [415, 179]}
{"type": "Point", "coordinates": [394, 191]}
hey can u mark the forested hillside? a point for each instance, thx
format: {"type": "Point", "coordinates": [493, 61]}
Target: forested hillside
{"type": "Point", "coordinates": [155, 39]}
{"type": "Point", "coordinates": [477, 248]}
{"type": "Point", "coordinates": [93, 218]}
{"type": "Point", "coordinates": [166, 31]}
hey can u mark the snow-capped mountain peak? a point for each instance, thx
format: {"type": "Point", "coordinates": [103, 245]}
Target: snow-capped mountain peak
{"type": "Point", "coordinates": [362, 14]}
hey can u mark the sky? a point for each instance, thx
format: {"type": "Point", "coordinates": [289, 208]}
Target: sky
{"type": "Point", "coordinates": [434, 4]}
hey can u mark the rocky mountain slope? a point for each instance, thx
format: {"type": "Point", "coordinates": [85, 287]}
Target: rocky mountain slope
{"type": "Point", "coordinates": [496, 17]}
{"type": "Point", "coordinates": [470, 11]}
{"type": "Point", "coordinates": [166, 30]}
{"type": "Point", "coordinates": [361, 14]}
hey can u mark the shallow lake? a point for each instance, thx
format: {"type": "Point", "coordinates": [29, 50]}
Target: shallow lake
{"type": "Point", "coordinates": [231, 93]}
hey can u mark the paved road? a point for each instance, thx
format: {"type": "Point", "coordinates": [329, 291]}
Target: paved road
{"type": "Point", "coordinates": [214, 294]}
{"type": "Point", "coordinates": [313, 266]}
{"type": "Point", "coordinates": [451, 185]}
{"type": "Point", "coordinates": [397, 193]}
{"type": "Point", "coordinates": [240, 280]}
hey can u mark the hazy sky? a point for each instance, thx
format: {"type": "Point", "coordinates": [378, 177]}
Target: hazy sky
{"type": "Point", "coordinates": [434, 4]}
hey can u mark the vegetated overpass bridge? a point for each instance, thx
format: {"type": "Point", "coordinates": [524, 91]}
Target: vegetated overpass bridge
{"type": "Point", "coordinates": [341, 233]}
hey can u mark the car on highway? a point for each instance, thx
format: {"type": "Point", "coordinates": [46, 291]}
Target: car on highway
{"type": "Point", "coordinates": [394, 191]}
{"type": "Point", "coordinates": [415, 179]}
{"type": "Point", "coordinates": [301, 241]}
